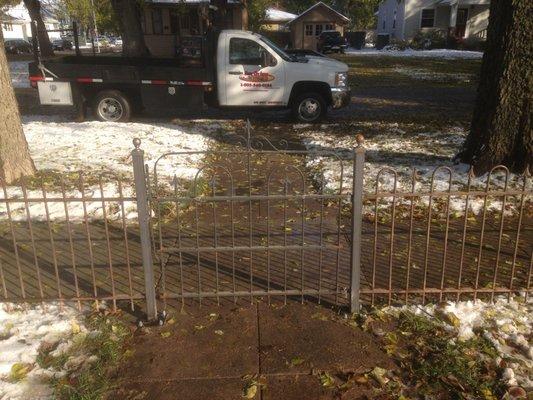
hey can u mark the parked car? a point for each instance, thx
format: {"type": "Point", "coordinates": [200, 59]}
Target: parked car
{"type": "Point", "coordinates": [332, 41]}
{"type": "Point", "coordinates": [236, 69]}
{"type": "Point", "coordinates": [18, 46]}
{"type": "Point", "coordinates": [62, 44]}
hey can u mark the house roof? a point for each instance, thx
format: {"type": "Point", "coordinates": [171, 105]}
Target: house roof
{"type": "Point", "coordinates": [275, 15]}
{"type": "Point", "coordinates": [20, 13]}
{"type": "Point", "coordinates": [321, 4]}
{"type": "Point", "coordinates": [9, 18]}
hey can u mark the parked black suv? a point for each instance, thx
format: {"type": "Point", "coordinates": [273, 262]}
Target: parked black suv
{"type": "Point", "coordinates": [331, 41]}
{"type": "Point", "coordinates": [17, 46]}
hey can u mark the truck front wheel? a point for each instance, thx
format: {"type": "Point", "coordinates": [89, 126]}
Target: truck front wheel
{"type": "Point", "coordinates": [309, 107]}
{"type": "Point", "coordinates": [112, 106]}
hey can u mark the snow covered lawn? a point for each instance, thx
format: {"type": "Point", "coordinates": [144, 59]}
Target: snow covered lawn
{"type": "Point", "coordinates": [23, 330]}
{"type": "Point", "coordinates": [426, 75]}
{"type": "Point", "coordinates": [401, 147]}
{"type": "Point", "coordinates": [105, 148]}
{"type": "Point", "coordinates": [447, 54]}
{"type": "Point", "coordinates": [507, 326]}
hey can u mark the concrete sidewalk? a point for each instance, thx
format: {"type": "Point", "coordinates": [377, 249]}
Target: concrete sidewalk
{"type": "Point", "coordinates": [220, 352]}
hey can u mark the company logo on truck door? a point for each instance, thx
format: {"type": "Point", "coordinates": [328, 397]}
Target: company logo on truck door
{"type": "Point", "coordinates": [257, 77]}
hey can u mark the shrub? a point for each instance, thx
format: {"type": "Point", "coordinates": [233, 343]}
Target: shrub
{"type": "Point", "coordinates": [430, 39]}
{"type": "Point", "coordinates": [397, 44]}
{"type": "Point", "coordinates": [472, 44]}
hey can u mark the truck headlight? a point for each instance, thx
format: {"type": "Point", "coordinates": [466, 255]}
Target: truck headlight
{"type": "Point", "coordinates": [341, 79]}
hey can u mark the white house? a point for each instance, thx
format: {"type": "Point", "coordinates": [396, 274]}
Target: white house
{"type": "Point", "coordinates": [403, 19]}
{"type": "Point", "coordinates": [16, 23]}
{"type": "Point", "coordinates": [12, 28]}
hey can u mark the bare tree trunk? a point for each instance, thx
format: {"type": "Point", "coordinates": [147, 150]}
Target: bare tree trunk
{"type": "Point", "coordinates": [245, 16]}
{"type": "Point", "coordinates": [501, 126]}
{"type": "Point", "coordinates": [15, 160]}
{"type": "Point", "coordinates": [127, 12]}
{"type": "Point", "coordinates": [34, 9]}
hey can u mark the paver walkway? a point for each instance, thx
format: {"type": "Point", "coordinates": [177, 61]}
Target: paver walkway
{"type": "Point", "coordinates": [216, 352]}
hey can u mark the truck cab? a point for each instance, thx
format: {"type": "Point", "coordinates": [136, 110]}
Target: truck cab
{"type": "Point", "coordinates": [253, 72]}
{"type": "Point", "coordinates": [234, 69]}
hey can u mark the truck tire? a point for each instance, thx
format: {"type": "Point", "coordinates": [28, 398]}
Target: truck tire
{"type": "Point", "coordinates": [309, 108]}
{"type": "Point", "coordinates": [112, 106]}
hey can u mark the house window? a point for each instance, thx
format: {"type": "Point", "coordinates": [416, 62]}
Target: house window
{"type": "Point", "coordinates": [157, 21]}
{"type": "Point", "coordinates": [8, 27]}
{"type": "Point", "coordinates": [309, 30]}
{"type": "Point", "coordinates": [318, 29]}
{"type": "Point", "coordinates": [330, 27]}
{"type": "Point", "coordinates": [428, 18]}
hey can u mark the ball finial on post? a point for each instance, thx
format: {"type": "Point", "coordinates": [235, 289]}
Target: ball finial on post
{"type": "Point", "coordinates": [360, 139]}
{"type": "Point", "coordinates": [137, 143]}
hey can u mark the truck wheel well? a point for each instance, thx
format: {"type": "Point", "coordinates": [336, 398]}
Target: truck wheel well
{"type": "Point", "coordinates": [90, 92]}
{"type": "Point", "coordinates": [321, 88]}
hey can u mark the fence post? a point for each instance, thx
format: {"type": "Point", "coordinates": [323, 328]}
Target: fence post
{"type": "Point", "coordinates": [357, 223]}
{"type": "Point", "coordinates": [143, 212]}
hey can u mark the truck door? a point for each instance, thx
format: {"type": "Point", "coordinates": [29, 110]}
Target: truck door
{"type": "Point", "coordinates": [253, 74]}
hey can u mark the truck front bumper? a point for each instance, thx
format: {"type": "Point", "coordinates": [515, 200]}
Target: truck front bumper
{"type": "Point", "coordinates": [341, 97]}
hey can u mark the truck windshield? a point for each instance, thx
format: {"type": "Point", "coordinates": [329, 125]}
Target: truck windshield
{"type": "Point", "coordinates": [274, 47]}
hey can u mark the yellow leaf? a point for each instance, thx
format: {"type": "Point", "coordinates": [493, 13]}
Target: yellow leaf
{"type": "Point", "coordinates": [165, 334]}
{"type": "Point", "coordinates": [327, 380]}
{"type": "Point", "coordinates": [250, 391]}
{"type": "Point", "coordinates": [19, 371]}
{"type": "Point", "coordinates": [297, 361]}
{"type": "Point", "coordinates": [75, 327]}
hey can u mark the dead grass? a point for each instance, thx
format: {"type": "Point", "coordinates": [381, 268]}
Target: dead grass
{"type": "Point", "coordinates": [382, 71]}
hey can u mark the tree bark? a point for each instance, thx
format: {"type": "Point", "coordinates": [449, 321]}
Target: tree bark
{"type": "Point", "coordinates": [127, 12]}
{"type": "Point", "coordinates": [500, 132]}
{"type": "Point", "coordinates": [15, 160]}
{"type": "Point", "coordinates": [245, 16]}
{"type": "Point", "coordinates": [34, 9]}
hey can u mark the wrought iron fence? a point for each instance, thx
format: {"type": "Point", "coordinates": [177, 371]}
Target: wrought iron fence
{"type": "Point", "coordinates": [465, 240]}
{"type": "Point", "coordinates": [69, 237]}
{"type": "Point", "coordinates": [258, 221]}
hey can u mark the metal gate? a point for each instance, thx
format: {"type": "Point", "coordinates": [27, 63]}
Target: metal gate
{"type": "Point", "coordinates": [257, 220]}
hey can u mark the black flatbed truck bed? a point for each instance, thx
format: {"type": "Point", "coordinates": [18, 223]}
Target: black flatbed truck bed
{"type": "Point", "coordinates": [144, 82]}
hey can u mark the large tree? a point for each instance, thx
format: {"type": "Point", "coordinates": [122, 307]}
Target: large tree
{"type": "Point", "coordinates": [128, 14]}
{"type": "Point", "coordinates": [500, 132]}
{"type": "Point", "coordinates": [34, 9]}
{"type": "Point", "coordinates": [15, 160]}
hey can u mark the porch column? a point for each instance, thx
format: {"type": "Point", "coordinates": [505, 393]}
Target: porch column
{"type": "Point", "coordinates": [453, 18]}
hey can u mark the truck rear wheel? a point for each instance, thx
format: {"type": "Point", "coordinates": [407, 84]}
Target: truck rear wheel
{"type": "Point", "coordinates": [112, 106]}
{"type": "Point", "coordinates": [309, 108]}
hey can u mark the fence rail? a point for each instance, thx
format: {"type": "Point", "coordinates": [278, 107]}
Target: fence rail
{"type": "Point", "coordinates": [260, 222]}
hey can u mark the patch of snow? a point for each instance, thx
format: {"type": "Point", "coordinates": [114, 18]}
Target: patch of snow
{"type": "Point", "coordinates": [508, 325]}
{"type": "Point", "coordinates": [426, 75]}
{"type": "Point", "coordinates": [448, 54]}
{"type": "Point", "coordinates": [104, 148]}
{"type": "Point", "coordinates": [275, 15]}
{"type": "Point", "coordinates": [395, 152]}
{"type": "Point", "coordinates": [23, 329]}
{"type": "Point", "coordinates": [20, 77]}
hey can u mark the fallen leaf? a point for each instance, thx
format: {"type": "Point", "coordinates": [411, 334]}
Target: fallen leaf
{"type": "Point", "coordinates": [297, 361]}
